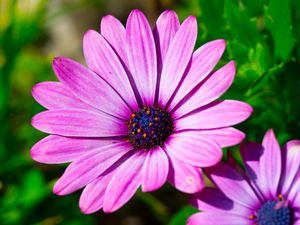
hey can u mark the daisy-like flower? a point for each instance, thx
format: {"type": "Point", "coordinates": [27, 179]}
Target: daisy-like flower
{"type": "Point", "coordinates": [267, 193]}
{"type": "Point", "coordinates": [142, 112]}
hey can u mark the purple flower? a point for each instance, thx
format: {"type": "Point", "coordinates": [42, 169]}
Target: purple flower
{"type": "Point", "coordinates": [268, 193]}
{"type": "Point", "coordinates": [142, 113]}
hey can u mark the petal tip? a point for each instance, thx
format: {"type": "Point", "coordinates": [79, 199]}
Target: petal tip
{"type": "Point", "coordinates": [89, 32]}
{"type": "Point", "coordinates": [34, 90]}
{"type": "Point", "coordinates": [169, 12]}
{"type": "Point", "coordinates": [58, 190]}
{"type": "Point", "coordinates": [108, 17]}
{"type": "Point", "coordinates": [86, 210]}
{"type": "Point", "coordinates": [191, 20]}
{"type": "Point", "coordinates": [136, 12]}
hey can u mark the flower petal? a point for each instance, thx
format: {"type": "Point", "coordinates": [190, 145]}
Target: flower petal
{"type": "Point", "coordinates": [90, 88]}
{"type": "Point", "coordinates": [124, 183]}
{"type": "Point", "coordinates": [291, 151]}
{"type": "Point", "coordinates": [55, 149]}
{"type": "Point", "coordinates": [194, 149]}
{"type": "Point", "coordinates": [233, 185]}
{"type": "Point", "coordinates": [89, 167]}
{"type": "Point", "coordinates": [215, 115]}
{"type": "Point", "coordinates": [141, 54]}
{"type": "Point", "coordinates": [212, 199]}
{"type": "Point", "coordinates": [164, 31]}
{"type": "Point", "coordinates": [209, 90]}
{"type": "Point", "coordinates": [114, 32]}
{"type": "Point", "coordinates": [155, 170]}
{"type": "Point", "coordinates": [251, 153]}
{"type": "Point", "coordinates": [270, 164]}
{"type": "Point", "coordinates": [92, 197]}
{"type": "Point", "coordinates": [55, 95]}
{"type": "Point", "coordinates": [101, 58]}
{"type": "Point", "coordinates": [166, 27]}
{"type": "Point", "coordinates": [218, 218]}
{"type": "Point", "coordinates": [184, 177]}
{"type": "Point", "coordinates": [79, 123]}
{"type": "Point", "coordinates": [203, 61]}
{"type": "Point", "coordinates": [177, 59]}
{"type": "Point", "coordinates": [225, 137]}
{"type": "Point", "coordinates": [297, 222]}
{"type": "Point", "coordinates": [294, 194]}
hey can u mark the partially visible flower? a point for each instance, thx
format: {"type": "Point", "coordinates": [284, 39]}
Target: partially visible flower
{"type": "Point", "coordinates": [268, 193]}
{"type": "Point", "coordinates": [144, 112]}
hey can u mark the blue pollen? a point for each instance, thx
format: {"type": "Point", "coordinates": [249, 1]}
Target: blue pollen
{"type": "Point", "coordinates": [149, 127]}
{"type": "Point", "coordinates": [269, 214]}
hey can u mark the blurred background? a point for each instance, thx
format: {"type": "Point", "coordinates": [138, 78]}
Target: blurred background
{"type": "Point", "coordinates": [262, 37]}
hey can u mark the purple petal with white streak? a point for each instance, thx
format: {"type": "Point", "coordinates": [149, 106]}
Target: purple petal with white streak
{"type": "Point", "coordinates": [101, 58]}
{"type": "Point", "coordinates": [124, 183]}
{"type": "Point", "coordinates": [194, 149]}
{"type": "Point", "coordinates": [141, 55]}
{"type": "Point", "coordinates": [155, 170]}
{"type": "Point", "coordinates": [79, 123]}
{"type": "Point", "coordinates": [89, 167]}
{"type": "Point", "coordinates": [90, 88]}
{"type": "Point", "coordinates": [203, 61]}
{"type": "Point", "coordinates": [209, 90]}
{"type": "Point", "coordinates": [177, 59]}
{"type": "Point", "coordinates": [55, 149]}
{"type": "Point", "coordinates": [215, 115]}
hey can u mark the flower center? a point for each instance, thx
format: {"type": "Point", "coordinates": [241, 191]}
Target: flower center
{"type": "Point", "coordinates": [274, 212]}
{"type": "Point", "coordinates": [149, 127]}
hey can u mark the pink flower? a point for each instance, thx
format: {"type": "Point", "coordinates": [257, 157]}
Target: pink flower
{"type": "Point", "coordinates": [268, 193]}
{"type": "Point", "coordinates": [142, 113]}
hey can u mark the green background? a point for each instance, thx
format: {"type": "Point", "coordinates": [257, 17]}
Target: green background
{"type": "Point", "coordinates": [262, 37]}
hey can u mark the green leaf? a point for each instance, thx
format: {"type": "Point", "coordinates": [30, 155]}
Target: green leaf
{"type": "Point", "coordinates": [155, 206]}
{"type": "Point", "coordinates": [239, 24]}
{"type": "Point", "coordinates": [278, 21]}
{"type": "Point", "coordinates": [261, 81]}
{"type": "Point", "coordinates": [212, 13]}
{"type": "Point", "coordinates": [181, 217]}
{"type": "Point", "coordinates": [33, 188]}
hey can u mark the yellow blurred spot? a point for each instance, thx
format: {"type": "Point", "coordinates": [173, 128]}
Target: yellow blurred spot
{"type": "Point", "coordinates": [251, 217]}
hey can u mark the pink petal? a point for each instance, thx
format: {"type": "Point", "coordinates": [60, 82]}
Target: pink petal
{"type": "Point", "coordinates": [55, 95]}
{"type": "Point", "coordinates": [184, 177]}
{"type": "Point", "coordinates": [92, 197]}
{"type": "Point", "coordinates": [101, 58]}
{"type": "Point", "coordinates": [89, 167]}
{"type": "Point", "coordinates": [90, 88]}
{"type": "Point", "coordinates": [55, 149]}
{"type": "Point", "coordinates": [215, 115]}
{"type": "Point", "coordinates": [177, 59]}
{"type": "Point", "coordinates": [297, 222]}
{"type": "Point", "coordinates": [79, 123]}
{"type": "Point", "coordinates": [291, 170]}
{"type": "Point", "coordinates": [224, 137]}
{"type": "Point", "coordinates": [218, 218]}
{"type": "Point", "coordinates": [212, 199]}
{"type": "Point", "coordinates": [166, 27]}
{"type": "Point", "coordinates": [155, 170]}
{"type": "Point", "coordinates": [141, 54]}
{"type": "Point", "coordinates": [124, 183]}
{"type": "Point", "coordinates": [233, 185]}
{"type": "Point", "coordinates": [202, 63]}
{"type": "Point", "coordinates": [194, 149]}
{"type": "Point", "coordinates": [114, 32]}
{"type": "Point", "coordinates": [251, 153]}
{"type": "Point", "coordinates": [209, 90]}
{"type": "Point", "coordinates": [270, 164]}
